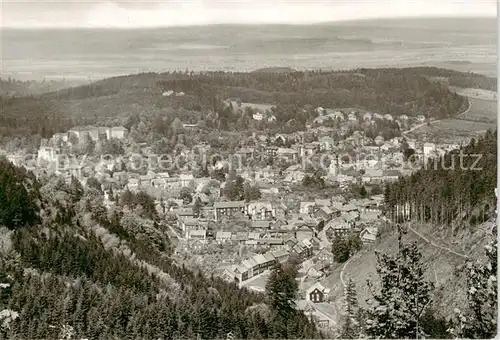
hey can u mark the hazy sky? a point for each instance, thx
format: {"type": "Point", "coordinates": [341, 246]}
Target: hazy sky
{"type": "Point", "coordinates": [142, 13]}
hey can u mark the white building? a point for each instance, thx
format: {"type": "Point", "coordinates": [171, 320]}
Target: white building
{"type": "Point", "coordinates": [258, 116]}
{"type": "Point", "coordinates": [48, 154]}
{"type": "Point", "coordinates": [429, 148]}
{"type": "Point", "coordinates": [117, 132]}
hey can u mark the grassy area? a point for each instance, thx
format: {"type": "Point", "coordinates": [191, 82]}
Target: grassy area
{"type": "Point", "coordinates": [452, 131]}
{"type": "Point", "coordinates": [481, 117]}
{"type": "Point", "coordinates": [477, 93]}
{"type": "Point", "coordinates": [481, 110]}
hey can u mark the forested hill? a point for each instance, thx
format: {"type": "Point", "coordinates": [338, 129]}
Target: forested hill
{"type": "Point", "coordinates": [394, 91]}
{"type": "Point", "coordinates": [459, 79]}
{"type": "Point", "coordinates": [71, 270]}
{"type": "Point", "coordinates": [15, 88]}
{"type": "Point", "coordinates": [453, 189]}
{"type": "Point", "coordinates": [411, 91]}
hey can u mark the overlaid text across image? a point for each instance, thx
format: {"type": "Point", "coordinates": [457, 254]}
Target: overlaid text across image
{"type": "Point", "coordinates": [221, 169]}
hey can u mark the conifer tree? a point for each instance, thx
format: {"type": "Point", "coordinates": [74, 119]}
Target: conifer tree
{"type": "Point", "coordinates": [282, 287]}
{"type": "Point", "coordinates": [350, 329]}
{"type": "Point", "coordinates": [480, 319]}
{"type": "Point", "coordinates": [396, 309]}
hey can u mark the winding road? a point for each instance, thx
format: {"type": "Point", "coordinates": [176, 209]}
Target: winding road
{"type": "Point", "coordinates": [437, 120]}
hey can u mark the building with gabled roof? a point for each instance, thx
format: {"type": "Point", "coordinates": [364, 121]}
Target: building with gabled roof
{"type": "Point", "coordinates": [369, 235]}
{"type": "Point", "coordinates": [280, 255]}
{"type": "Point", "coordinates": [229, 208]}
{"type": "Point", "coordinates": [317, 293]}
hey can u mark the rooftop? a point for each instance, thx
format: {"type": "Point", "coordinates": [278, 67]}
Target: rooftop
{"type": "Point", "coordinates": [229, 204]}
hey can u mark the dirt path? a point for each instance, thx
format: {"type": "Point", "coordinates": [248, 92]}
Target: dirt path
{"type": "Point", "coordinates": [466, 111]}
{"type": "Point", "coordinates": [436, 245]}
{"type": "Point", "coordinates": [343, 269]}
{"type": "Point", "coordinates": [342, 272]}
{"type": "Point", "coordinates": [415, 128]}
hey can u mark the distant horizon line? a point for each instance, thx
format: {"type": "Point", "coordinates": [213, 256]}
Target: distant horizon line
{"type": "Point", "coordinates": [319, 23]}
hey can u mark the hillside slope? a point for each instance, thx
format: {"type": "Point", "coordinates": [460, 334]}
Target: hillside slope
{"type": "Point", "coordinates": [443, 267]}
{"type": "Point", "coordinates": [84, 271]}
{"type": "Point", "coordinates": [449, 212]}
{"type": "Point", "coordinates": [396, 91]}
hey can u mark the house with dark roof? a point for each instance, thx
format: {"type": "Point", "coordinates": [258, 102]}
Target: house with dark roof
{"type": "Point", "coordinates": [185, 213]}
{"type": "Point", "coordinates": [308, 247]}
{"type": "Point", "coordinates": [336, 228]}
{"type": "Point", "coordinates": [323, 213]}
{"type": "Point", "coordinates": [260, 225]}
{"type": "Point", "coordinates": [317, 293]}
{"type": "Point", "coordinates": [274, 242]}
{"type": "Point", "coordinates": [228, 209]}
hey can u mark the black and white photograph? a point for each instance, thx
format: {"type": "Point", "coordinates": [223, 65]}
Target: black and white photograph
{"type": "Point", "coordinates": [237, 169]}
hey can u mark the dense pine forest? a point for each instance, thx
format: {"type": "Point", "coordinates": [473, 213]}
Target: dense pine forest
{"type": "Point", "coordinates": [69, 267]}
{"type": "Point", "coordinates": [411, 91]}
{"type": "Point", "coordinates": [456, 188]}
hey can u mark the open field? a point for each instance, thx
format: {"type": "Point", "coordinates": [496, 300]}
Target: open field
{"type": "Point", "coordinates": [477, 93]}
{"type": "Point", "coordinates": [452, 130]}
{"type": "Point", "coordinates": [481, 110]}
{"type": "Point", "coordinates": [481, 117]}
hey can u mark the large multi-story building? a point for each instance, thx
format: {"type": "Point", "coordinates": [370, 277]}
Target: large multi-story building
{"type": "Point", "coordinates": [228, 209]}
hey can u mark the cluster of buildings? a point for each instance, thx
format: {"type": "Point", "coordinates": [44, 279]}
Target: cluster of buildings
{"type": "Point", "coordinates": [305, 231]}
{"type": "Point", "coordinates": [255, 265]}
{"type": "Point", "coordinates": [95, 133]}
{"type": "Point", "coordinates": [50, 150]}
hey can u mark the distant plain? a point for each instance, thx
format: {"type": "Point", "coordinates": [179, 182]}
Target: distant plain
{"type": "Point", "coordinates": [89, 54]}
